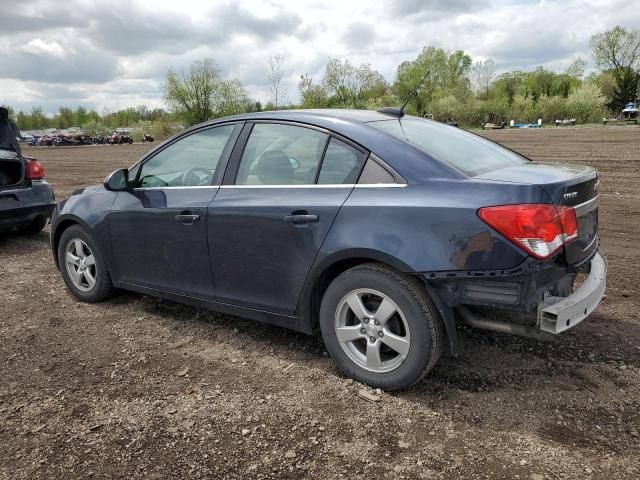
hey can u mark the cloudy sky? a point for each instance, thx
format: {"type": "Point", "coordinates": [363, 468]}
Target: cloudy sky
{"type": "Point", "coordinates": [112, 54]}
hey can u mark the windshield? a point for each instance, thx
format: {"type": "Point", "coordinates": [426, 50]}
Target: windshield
{"type": "Point", "coordinates": [465, 151]}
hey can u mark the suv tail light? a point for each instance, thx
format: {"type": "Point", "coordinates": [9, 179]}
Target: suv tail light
{"type": "Point", "coordinates": [539, 229]}
{"type": "Point", "coordinates": [35, 170]}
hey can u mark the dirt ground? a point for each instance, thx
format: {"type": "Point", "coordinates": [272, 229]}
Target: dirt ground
{"type": "Point", "coordinates": [142, 388]}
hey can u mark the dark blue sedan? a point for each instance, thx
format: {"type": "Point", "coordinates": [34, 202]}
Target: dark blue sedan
{"type": "Point", "coordinates": [380, 230]}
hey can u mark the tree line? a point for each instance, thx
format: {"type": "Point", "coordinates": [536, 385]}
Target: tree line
{"type": "Point", "coordinates": [456, 87]}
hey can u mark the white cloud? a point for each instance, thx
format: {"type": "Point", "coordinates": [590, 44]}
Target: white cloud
{"type": "Point", "coordinates": [115, 53]}
{"type": "Point", "coordinates": [38, 46]}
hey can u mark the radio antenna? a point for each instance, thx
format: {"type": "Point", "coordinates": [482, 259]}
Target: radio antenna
{"type": "Point", "coordinates": [415, 91]}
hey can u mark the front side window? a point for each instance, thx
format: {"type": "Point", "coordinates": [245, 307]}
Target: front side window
{"type": "Point", "coordinates": [189, 162]}
{"type": "Point", "coordinates": [278, 154]}
{"type": "Point", "coordinates": [342, 163]}
{"type": "Point", "coordinates": [465, 151]}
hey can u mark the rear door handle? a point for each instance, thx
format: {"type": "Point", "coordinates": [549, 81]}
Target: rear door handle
{"type": "Point", "coordinates": [187, 218]}
{"type": "Point", "coordinates": [300, 218]}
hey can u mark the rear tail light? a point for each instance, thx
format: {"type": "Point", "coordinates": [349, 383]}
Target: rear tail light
{"type": "Point", "coordinates": [35, 170]}
{"type": "Point", "coordinates": [539, 229]}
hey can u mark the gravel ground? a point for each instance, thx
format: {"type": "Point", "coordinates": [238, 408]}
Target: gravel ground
{"type": "Point", "coordinates": [142, 388]}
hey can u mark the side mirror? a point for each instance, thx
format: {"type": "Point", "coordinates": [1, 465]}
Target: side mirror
{"type": "Point", "coordinates": [117, 181]}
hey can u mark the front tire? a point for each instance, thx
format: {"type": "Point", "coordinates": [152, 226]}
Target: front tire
{"type": "Point", "coordinates": [380, 327]}
{"type": "Point", "coordinates": [83, 267]}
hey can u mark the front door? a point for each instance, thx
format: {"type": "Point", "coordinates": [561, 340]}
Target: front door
{"type": "Point", "coordinates": [159, 229]}
{"type": "Point", "coordinates": [266, 228]}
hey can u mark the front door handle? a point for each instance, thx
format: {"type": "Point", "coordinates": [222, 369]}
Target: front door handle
{"type": "Point", "coordinates": [300, 218]}
{"type": "Point", "coordinates": [187, 218]}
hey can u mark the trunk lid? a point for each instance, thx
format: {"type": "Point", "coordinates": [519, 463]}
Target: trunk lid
{"type": "Point", "coordinates": [571, 185]}
{"type": "Point", "coordinates": [12, 169]}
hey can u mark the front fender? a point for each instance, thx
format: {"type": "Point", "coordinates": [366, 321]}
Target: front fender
{"type": "Point", "coordinates": [89, 208]}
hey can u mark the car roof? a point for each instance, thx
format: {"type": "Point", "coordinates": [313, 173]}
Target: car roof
{"type": "Point", "coordinates": [363, 116]}
{"type": "Point", "coordinates": [407, 159]}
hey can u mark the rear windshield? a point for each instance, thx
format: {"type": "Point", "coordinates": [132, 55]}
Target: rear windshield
{"type": "Point", "coordinates": [465, 151]}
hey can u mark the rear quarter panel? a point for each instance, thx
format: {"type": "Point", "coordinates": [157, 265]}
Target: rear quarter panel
{"type": "Point", "coordinates": [427, 228]}
{"type": "Point", "coordinates": [35, 193]}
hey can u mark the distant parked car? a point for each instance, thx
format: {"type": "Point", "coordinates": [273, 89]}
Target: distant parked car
{"type": "Point", "coordinates": [630, 112]}
{"type": "Point", "coordinates": [120, 139]}
{"type": "Point", "coordinates": [26, 200]}
{"type": "Point", "coordinates": [376, 228]}
{"type": "Point", "coordinates": [66, 141]}
{"type": "Point", "coordinates": [494, 121]}
{"type": "Point", "coordinates": [47, 140]}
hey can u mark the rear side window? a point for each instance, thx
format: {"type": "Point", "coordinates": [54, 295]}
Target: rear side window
{"type": "Point", "coordinates": [342, 163]}
{"type": "Point", "coordinates": [465, 151]}
{"type": "Point", "coordinates": [278, 154]}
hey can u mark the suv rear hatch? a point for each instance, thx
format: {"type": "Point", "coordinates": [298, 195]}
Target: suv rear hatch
{"type": "Point", "coordinates": [12, 169]}
{"type": "Point", "coordinates": [571, 185]}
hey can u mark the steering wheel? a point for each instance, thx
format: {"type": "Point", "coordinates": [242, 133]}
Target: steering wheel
{"type": "Point", "coordinates": [190, 178]}
{"type": "Point", "coordinates": [152, 181]}
{"type": "Point", "coordinates": [294, 163]}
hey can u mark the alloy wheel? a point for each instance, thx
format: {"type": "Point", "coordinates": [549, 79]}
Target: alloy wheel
{"type": "Point", "coordinates": [80, 264]}
{"type": "Point", "coordinates": [372, 330]}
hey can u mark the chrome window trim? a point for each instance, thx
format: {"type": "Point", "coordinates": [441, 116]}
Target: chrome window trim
{"type": "Point", "coordinates": [380, 185]}
{"type": "Point", "coordinates": [337, 185]}
{"type": "Point", "coordinates": [587, 206]}
{"type": "Point", "coordinates": [176, 187]}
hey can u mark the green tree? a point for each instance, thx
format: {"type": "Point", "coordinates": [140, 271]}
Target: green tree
{"type": "Point", "coordinates": [192, 94]}
{"type": "Point", "coordinates": [586, 103]}
{"type": "Point", "coordinates": [312, 95]}
{"type": "Point", "coordinates": [65, 118]}
{"type": "Point", "coordinates": [508, 84]}
{"type": "Point", "coordinates": [347, 85]}
{"type": "Point", "coordinates": [81, 116]}
{"type": "Point", "coordinates": [38, 119]}
{"type": "Point", "coordinates": [483, 74]}
{"type": "Point", "coordinates": [576, 68]}
{"type": "Point", "coordinates": [618, 50]}
{"type": "Point", "coordinates": [23, 121]}
{"type": "Point", "coordinates": [230, 98]}
{"type": "Point", "coordinates": [202, 94]}
{"type": "Point", "coordinates": [275, 78]}
{"type": "Point", "coordinates": [447, 76]}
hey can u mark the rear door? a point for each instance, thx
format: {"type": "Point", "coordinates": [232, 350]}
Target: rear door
{"type": "Point", "coordinates": [279, 199]}
{"type": "Point", "coordinates": [159, 229]}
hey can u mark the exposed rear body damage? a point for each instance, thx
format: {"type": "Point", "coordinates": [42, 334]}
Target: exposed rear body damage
{"type": "Point", "coordinates": [539, 296]}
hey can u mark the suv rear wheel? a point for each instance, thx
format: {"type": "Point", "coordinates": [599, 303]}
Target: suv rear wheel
{"type": "Point", "coordinates": [380, 327]}
{"type": "Point", "coordinates": [82, 266]}
{"type": "Point", "coordinates": [36, 225]}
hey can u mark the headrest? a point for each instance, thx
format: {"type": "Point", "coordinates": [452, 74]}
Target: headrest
{"type": "Point", "coordinates": [274, 168]}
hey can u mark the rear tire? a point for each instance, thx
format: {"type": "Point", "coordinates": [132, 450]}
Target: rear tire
{"type": "Point", "coordinates": [83, 267]}
{"type": "Point", "coordinates": [36, 225]}
{"type": "Point", "coordinates": [380, 327]}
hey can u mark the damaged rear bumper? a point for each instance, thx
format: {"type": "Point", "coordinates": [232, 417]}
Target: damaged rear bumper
{"type": "Point", "coordinates": [538, 303]}
{"type": "Point", "coordinates": [557, 314]}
